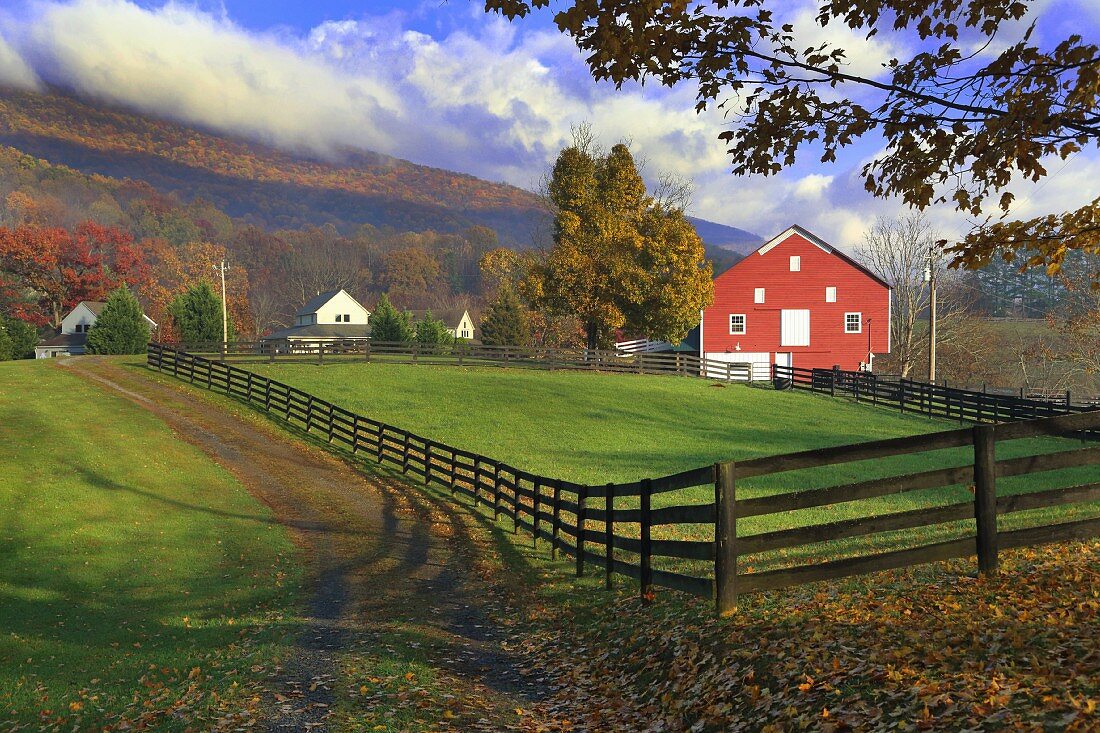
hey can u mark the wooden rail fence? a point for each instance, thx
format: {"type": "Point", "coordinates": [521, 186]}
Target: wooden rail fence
{"type": "Point", "coordinates": [463, 353]}
{"type": "Point", "coordinates": [584, 521]}
{"type": "Point", "coordinates": [924, 398]}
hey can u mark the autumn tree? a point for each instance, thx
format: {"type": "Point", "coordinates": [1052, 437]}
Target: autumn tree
{"type": "Point", "coordinates": [506, 322]}
{"type": "Point", "coordinates": [62, 267]}
{"type": "Point", "coordinates": [618, 256]}
{"type": "Point", "coordinates": [121, 327]}
{"type": "Point", "coordinates": [389, 325]}
{"type": "Point", "coordinates": [321, 260]}
{"type": "Point", "coordinates": [197, 315]}
{"type": "Point", "coordinates": [979, 100]}
{"type": "Point", "coordinates": [180, 268]}
{"type": "Point", "coordinates": [503, 266]}
{"type": "Point", "coordinates": [411, 272]}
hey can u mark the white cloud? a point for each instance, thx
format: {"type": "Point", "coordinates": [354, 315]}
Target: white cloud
{"type": "Point", "coordinates": [488, 97]}
{"type": "Point", "coordinates": [14, 71]}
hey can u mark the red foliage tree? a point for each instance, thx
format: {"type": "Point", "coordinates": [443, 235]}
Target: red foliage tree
{"type": "Point", "coordinates": [60, 268]}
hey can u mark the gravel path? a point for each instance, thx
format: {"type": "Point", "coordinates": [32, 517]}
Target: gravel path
{"type": "Point", "coordinates": [379, 556]}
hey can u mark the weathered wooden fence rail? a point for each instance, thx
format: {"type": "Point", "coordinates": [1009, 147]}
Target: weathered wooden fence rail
{"type": "Point", "coordinates": [925, 398]}
{"type": "Point", "coordinates": [463, 353]}
{"type": "Point", "coordinates": [583, 520]}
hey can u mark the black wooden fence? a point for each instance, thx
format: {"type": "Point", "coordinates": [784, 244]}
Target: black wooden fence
{"type": "Point", "coordinates": [464, 353]}
{"type": "Point", "coordinates": [590, 523]}
{"type": "Point", "coordinates": [924, 398]}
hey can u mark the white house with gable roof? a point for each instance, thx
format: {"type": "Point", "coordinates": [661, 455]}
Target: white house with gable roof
{"type": "Point", "coordinates": [329, 317]}
{"type": "Point", "coordinates": [74, 331]}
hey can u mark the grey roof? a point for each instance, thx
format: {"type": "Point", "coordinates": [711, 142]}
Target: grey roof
{"type": "Point", "coordinates": [451, 317]}
{"type": "Point", "coordinates": [66, 339]}
{"type": "Point", "coordinates": [314, 304]}
{"type": "Point", "coordinates": [322, 330]}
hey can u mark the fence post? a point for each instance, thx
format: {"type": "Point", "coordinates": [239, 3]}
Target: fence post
{"type": "Point", "coordinates": [267, 389]}
{"type": "Point", "coordinates": [405, 453]}
{"type": "Point", "coordinates": [381, 440]}
{"type": "Point", "coordinates": [516, 504]}
{"type": "Point", "coordinates": [729, 371]}
{"type": "Point", "coordinates": [427, 462]}
{"type": "Point", "coordinates": [454, 470]}
{"type": "Point", "coordinates": [645, 561]}
{"type": "Point", "coordinates": [331, 422]}
{"type": "Point", "coordinates": [477, 482]}
{"type": "Point", "coordinates": [320, 353]}
{"type": "Point", "coordinates": [609, 536]}
{"type": "Point", "coordinates": [366, 350]}
{"type": "Point", "coordinates": [354, 434]}
{"type": "Point", "coordinates": [725, 538]}
{"type": "Point", "coordinates": [556, 520]}
{"type": "Point", "coordinates": [985, 497]}
{"type": "Point", "coordinates": [537, 486]}
{"type": "Point", "coordinates": [496, 495]}
{"type": "Point", "coordinates": [832, 383]}
{"type": "Point", "coordinates": [309, 413]}
{"type": "Point", "coordinates": [582, 498]}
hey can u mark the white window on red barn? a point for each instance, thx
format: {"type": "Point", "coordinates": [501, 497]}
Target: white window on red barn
{"type": "Point", "coordinates": [758, 297]}
{"type": "Point", "coordinates": [853, 323]}
{"type": "Point", "coordinates": [830, 295]}
{"type": "Point", "coordinates": [737, 323]}
{"type": "Point", "coordinates": [796, 263]}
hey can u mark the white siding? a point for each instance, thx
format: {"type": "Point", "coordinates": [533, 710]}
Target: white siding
{"type": "Point", "coordinates": [80, 315]}
{"type": "Point", "coordinates": [342, 304]}
{"type": "Point", "coordinates": [795, 328]}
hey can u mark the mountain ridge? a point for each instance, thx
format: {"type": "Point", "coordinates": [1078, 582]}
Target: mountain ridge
{"type": "Point", "coordinates": [279, 188]}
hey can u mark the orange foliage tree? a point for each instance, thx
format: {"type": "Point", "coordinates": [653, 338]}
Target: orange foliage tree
{"type": "Point", "coordinates": [58, 268]}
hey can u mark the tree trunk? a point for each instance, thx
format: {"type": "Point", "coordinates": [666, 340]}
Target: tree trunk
{"type": "Point", "coordinates": [591, 328]}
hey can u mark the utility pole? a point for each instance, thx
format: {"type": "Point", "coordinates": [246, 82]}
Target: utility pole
{"type": "Point", "coordinates": [222, 268]}
{"type": "Point", "coordinates": [931, 277]}
{"type": "Point", "coordinates": [870, 354]}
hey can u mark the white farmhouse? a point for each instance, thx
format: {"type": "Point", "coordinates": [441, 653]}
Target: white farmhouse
{"type": "Point", "coordinates": [74, 331]}
{"type": "Point", "coordinates": [329, 317]}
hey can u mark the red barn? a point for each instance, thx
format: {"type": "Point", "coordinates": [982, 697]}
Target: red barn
{"type": "Point", "coordinates": [797, 301]}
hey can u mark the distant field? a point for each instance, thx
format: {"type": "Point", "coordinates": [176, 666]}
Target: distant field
{"type": "Point", "coordinates": [138, 580]}
{"type": "Point", "coordinates": [596, 428]}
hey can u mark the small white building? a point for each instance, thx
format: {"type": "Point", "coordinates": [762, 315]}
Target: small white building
{"type": "Point", "coordinates": [74, 331]}
{"type": "Point", "coordinates": [328, 317]}
{"type": "Point", "coordinates": [457, 320]}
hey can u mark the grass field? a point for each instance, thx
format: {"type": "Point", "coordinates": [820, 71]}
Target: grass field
{"type": "Point", "coordinates": [140, 585]}
{"type": "Point", "coordinates": [596, 428]}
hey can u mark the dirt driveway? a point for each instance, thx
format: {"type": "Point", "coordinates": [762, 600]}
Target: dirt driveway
{"type": "Point", "coordinates": [386, 565]}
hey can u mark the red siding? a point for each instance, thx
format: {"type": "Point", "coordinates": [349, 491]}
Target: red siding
{"type": "Point", "coordinates": [857, 291]}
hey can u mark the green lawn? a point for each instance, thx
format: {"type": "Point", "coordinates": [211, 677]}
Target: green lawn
{"type": "Point", "coordinates": [139, 583]}
{"type": "Point", "coordinates": [596, 428]}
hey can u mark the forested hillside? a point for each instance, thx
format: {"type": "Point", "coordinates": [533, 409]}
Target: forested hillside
{"type": "Point", "coordinates": [264, 185]}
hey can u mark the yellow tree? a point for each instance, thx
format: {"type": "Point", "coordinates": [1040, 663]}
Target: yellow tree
{"type": "Point", "coordinates": [619, 259]}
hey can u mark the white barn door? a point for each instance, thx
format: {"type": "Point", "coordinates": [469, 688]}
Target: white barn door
{"type": "Point", "coordinates": [795, 328]}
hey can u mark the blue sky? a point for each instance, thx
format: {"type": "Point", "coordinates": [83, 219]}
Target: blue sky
{"type": "Point", "coordinates": [444, 84]}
